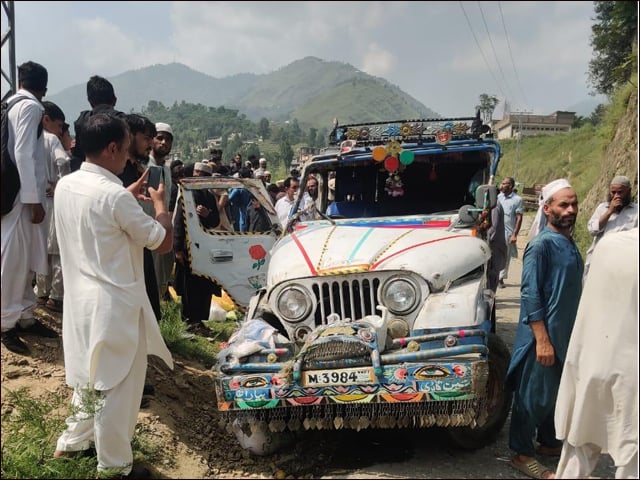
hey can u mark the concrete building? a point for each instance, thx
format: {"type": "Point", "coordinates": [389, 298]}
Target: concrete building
{"type": "Point", "coordinates": [528, 124]}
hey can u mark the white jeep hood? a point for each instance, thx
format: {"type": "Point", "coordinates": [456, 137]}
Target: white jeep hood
{"type": "Point", "coordinates": [438, 256]}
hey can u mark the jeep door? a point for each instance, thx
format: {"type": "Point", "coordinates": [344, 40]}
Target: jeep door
{"type": "Point", "coordinates": [237, 261]}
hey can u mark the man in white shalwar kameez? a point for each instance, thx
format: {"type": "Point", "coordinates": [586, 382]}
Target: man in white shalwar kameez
{"type": "Point", "coordinates": [108, 324]}
{"type": "Point", "coordinates": [597, 405]}
{"type": "Point", "coordinates": [24, 236]}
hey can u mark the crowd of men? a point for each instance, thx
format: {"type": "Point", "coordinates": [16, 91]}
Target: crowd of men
{"type": "Point", "coordinates": [90, 235]}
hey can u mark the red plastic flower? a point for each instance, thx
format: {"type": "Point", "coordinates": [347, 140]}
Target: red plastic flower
{"type": "Point", "coordinates": [257, 252]}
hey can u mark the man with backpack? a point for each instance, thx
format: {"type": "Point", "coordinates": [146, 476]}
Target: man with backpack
{"type": "Point", "coordinates": [24, 238]}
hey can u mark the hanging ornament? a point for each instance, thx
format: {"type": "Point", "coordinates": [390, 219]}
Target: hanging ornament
{"type": "Point", "coordinates": [379, 153]}
{"type": "Point", "coordinates": [393, 185]}
{"type": "Point", "coordinates": [407, 157]}
{"type": "Point", "coordinates": [391, 164]}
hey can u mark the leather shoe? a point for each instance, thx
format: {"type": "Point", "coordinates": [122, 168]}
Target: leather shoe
{"type": "Point", "coordinates": [14, 343]}
{"type": "Point", "coordinates": [37, 329]}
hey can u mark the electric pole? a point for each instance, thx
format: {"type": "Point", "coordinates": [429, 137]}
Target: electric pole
{"type": "Point", "coordinates": [518, 139]}
{"type": "Point", "coordinates": [9, 36]}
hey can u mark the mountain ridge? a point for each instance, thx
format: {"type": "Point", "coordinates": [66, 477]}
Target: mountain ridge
{"type": "Point", "coordinates": [292, 91]}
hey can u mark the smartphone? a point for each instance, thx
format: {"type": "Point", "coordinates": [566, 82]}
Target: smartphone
{"type": "Point", "coordinates": [153, 179]}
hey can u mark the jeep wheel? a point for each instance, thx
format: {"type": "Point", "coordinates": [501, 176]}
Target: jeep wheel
{"type": "Point", "coordinates": [259, 440]}
{"type": "Point", "coordinates": [499, 398]}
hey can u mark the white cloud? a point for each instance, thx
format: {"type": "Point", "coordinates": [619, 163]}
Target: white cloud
{"type": "Point", "coordinates": [378, 61]}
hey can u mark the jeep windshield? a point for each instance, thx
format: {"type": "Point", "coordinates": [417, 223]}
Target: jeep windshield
{"type": "Point", "coordinates": [412, 175]}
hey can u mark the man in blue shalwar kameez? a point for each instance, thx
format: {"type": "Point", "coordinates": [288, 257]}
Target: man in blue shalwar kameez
{"type": "Point", "coordinates": [550, 293]}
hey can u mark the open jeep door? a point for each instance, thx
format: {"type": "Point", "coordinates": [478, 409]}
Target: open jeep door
{"type": "Point", "coordinates": [237, 261]}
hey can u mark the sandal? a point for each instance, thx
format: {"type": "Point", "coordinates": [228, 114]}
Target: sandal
{"type": "Point", "coordinates": [533, 469]}
{"type": "Point", "coordinates": [54, 305]}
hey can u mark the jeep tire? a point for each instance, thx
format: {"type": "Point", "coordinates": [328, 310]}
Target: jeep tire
{"type": "Point", "coordinates": [499, 398]}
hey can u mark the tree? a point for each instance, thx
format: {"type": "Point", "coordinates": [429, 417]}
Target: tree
{"type": "Point", "coordinates": [286, 153]}
{"type": "Point", "coordinates": [264, 130]}
{"type": "Point", "coordinates": [598, 115]}
{"type": "Point", "coordinates": [613, 38]}
{"type": "Point", "coordinates": [311, 139]}
{"type": "Point", "coordinates": [488, 104]}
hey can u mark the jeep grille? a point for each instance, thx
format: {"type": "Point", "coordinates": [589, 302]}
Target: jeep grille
{"type": "Point", "coordinates": [351, 298]}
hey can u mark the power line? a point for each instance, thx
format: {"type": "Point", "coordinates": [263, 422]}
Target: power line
{"type": "Point", "coordinates": [481, 52]}
{"type": "Point", "coordinates": [493, 48]}
{"type": "Point", "coordinates": [513, 64]}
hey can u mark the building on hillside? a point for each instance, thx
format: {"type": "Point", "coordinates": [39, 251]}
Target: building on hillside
{"type": "Point", "coordinates": [528, 124]}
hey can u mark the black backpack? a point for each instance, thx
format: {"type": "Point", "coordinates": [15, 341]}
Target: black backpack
{"type": "Point", "coordinates": [10, 176]}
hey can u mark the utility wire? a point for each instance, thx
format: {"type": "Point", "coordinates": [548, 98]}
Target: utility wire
{"type": "Point", "coordinates": [513, 64]}
{"type": "Point", "coordinates": [493, 48]}
{"type": "Point", "coordinates": [481, 52]}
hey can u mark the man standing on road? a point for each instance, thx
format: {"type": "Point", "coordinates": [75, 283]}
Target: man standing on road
{"type": "Point", "coordinates": [617, 214]}
{"type": "Point", "coordinates": [550, 291]}
{"type": "Point", "coordinates": [513, 207]}
{"type": "Point", "coordinates": [24, 237]}
{"type": "Point", "coordinates": [108, 324]}
{"type": "Point", "coordinates": [597, 407]}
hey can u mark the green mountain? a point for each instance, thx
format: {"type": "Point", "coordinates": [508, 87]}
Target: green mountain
{"type": "Point", "coordinates": [312, 90]}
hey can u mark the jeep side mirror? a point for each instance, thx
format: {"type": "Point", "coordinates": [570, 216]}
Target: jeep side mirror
{"type": "Point", "coordinates": [468, 214]}
{"type": "Point", "coordinates": [488, 193]}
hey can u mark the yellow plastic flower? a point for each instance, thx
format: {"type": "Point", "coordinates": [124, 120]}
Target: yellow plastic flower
{"type": "Point", "coordinates": [393, 148]}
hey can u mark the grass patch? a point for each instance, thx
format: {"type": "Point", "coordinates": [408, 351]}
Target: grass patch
{"type": "Point", "coordinates": [185, 343]}
{"type": "Point", "coordinates": [30, 430]}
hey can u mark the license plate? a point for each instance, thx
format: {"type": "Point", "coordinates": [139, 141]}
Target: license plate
{"type": "Point", "coordinates": [342, 376]}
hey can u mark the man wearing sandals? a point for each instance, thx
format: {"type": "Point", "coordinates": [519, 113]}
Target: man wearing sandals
{"type": "Point", "coordinates": [550, 292]}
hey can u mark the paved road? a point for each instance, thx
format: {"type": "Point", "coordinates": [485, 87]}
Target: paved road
{"type": "Point", "coordinates": [425, 453]}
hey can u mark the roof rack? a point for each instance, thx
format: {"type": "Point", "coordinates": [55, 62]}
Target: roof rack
{"type": "Point", "coordinates": [421, 131]}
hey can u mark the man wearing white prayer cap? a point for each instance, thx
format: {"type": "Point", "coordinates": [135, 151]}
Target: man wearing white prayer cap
{"type": "Point", "coordinates": [550, 291]}
{"type": "Point", "coordinates": [617, 214]}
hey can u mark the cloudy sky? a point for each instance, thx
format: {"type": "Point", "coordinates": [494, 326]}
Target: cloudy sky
{"type": "Point", "coordinates": [444, 54]}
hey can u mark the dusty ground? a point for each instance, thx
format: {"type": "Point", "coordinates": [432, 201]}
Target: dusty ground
{"type": "Point", "coordinates": [183, 417]}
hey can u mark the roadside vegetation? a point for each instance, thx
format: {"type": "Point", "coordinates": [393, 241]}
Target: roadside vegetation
{"type": "Point", "coordinates": [31, 426]}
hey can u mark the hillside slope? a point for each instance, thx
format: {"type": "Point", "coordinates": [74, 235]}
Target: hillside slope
{"type": "Point", "coordinates": [301, 85]}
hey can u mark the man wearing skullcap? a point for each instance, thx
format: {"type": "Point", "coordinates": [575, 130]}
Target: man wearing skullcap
{"type": "Point", "coordinates": [617, 214]}
{"type": "Point", "coordinates": [550, 290]}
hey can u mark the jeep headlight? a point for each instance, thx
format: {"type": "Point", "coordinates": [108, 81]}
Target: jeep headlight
{"type": "Point", "coordinates": [400, 295]}
{"type": "Point", "coordinates": [293, 303]}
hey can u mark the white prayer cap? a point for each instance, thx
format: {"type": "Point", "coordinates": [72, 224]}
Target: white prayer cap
{"type": "Point", "coordinates": [621, 180]}
{"type": "Point", "coordinates": [548, 191]}
{"type": "Point", "coordinates": [262, 160]}
{"type": "Point", "coordinates": [164, 127]}
{"type": "Point", "coordinates": [553, 187]}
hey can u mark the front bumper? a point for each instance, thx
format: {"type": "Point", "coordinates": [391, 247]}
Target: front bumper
{"type": "Point", "coordinates": [419, 383]}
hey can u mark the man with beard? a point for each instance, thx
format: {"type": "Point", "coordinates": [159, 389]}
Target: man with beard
{"type": "Point", "coordinates": [550, 292]}
{"type": "Point", "coordinates": [617, 214]}
{"type": "Point", "coordinates": [162, 144]}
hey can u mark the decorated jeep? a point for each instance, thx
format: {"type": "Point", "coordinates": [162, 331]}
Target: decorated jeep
{"type": "Point", "coordinates": [370, 307]}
